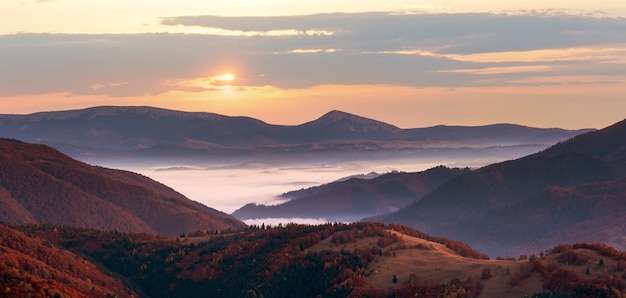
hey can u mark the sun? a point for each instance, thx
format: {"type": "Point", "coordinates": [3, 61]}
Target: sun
{"type": "Point", "coordinates": [227, 77]}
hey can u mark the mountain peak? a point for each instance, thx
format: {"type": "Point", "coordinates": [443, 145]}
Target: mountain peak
{"type": "Point", "coordinates": [341, 125]}
{"type": "Point", "coordinates": [336, 115]}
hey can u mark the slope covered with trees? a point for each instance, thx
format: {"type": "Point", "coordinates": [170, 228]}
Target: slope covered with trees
{"type": "Point", "coordinates": [354, 198]}
{"type": "Point", "coordinates": [39, 184]}
{"type": "Point", "coordinates": [519, 188]}
{"type": "Point", "coordinates": [593, 212]}
{"type": "Point", "coordinates": [338, 260]}
{"type": "Point", "coordinates": [31, 267]}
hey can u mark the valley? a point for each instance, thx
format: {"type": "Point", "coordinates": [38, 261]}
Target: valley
{"type": "Point", "coordinates": [379, 218]}
{"type": "Point", "coordinates": [341, 149]}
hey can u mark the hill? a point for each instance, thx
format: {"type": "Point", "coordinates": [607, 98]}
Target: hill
{"type": "Point", "coordinates": [139, 131]}
{"type": "Point", "coordinates": [606, 143]}
{"type": "Point", "coordinates": [338, 125]}
{"type": "Point", "coordinates": [552, 216]}
{"type": "Point", "coordinates": [354, 198]}
{"type": "Point", "coordinates": [594, 157]}
{"type": "Point", "coordinates": [357, 260]}
{"type": "Point", "coordinates": [31, 267]}
{"type": "Point", "coordinates": [39, 184]}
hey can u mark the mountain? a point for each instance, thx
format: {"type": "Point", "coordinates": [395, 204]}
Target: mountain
{"type": "Point", "coordinates": [123, 128]}
{"type": "Point", "coordinates": [39, 184]}
{"type": "Point", "coordinates": [607, 144]}
{"type": "Point", "coordinates": [338, 125]}
{"type": "Point", "coordinates": [146, 130]}
{"type": "Point", "coordinates": [354, 198]}
{"type": "Point", "coordinates": [502, 134]}
{"type": "Point", "coordinates": [31, 267]}
{"type": "Point", "coordinates": [338, 260]}
{"type": "Point", "coordinates": [554, 215]}
{"type": "Point", "coordinates": [591, 158]}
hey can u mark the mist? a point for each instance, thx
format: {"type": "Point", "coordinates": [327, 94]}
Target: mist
{"type": "Point", "coordinates": [229, 184]}
{"type": "Point", "coordinates": [228, 188]}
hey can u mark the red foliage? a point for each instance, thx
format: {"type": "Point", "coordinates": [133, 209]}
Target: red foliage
{"type": "Point", "coordinates": [561, 248]}
{"type": "Point", "coordinates": [561, 279]}
{"type": "Point", "coordinates": [31, 267]}
{"type": "Point", "coordinates": [602, 249]}
{"type": "Point", "coordinates": [43, 185]}
{"type": "Point", "coordinates": [572, 257]}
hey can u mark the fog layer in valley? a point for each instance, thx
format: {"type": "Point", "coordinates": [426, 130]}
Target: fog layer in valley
{"type": "Point", "coordinates": [227, 185]}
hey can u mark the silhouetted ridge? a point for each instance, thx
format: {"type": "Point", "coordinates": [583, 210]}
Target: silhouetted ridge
{"type": "Point", "coordinates": [354, 199]}
{"type": "Point", "coordinates": [336, 125]}
{"type": "Point", "coordinates": [337, 116]}
{"type": "Point", "coordinates": [608, 143]}
{"type": "Point", "coordinates": [137, 131]}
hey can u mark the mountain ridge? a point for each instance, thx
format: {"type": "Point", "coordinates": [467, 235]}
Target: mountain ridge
{"type": "Point", "coordinates": [355, 198]}
{"type": "Point", "coordinates": [138, 129]}
{"type": "Point", "coordinates": [590, 158]}
{"type": "Point", "coordinates": [43, 185]}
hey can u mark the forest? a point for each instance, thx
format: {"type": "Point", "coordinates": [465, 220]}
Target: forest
{"type": "Point", "coordinates": [331, 260]}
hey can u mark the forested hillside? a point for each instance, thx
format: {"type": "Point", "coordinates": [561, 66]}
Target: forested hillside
{"type": "Point", "coordinates": [354, 198]}
{"type": "Point", "coordinates": [31, 267]}
{"type": "Point", "coordinates": [338, 260]}
{"type": "Point", "coordinates": [562, 193]}
{"type": "Point", "coordinates": [39, 184]}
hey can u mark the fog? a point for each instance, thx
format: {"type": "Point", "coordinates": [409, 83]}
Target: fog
{"type": "Point", "coordinates": [227, 185]}
{"type": "Point", "coordinates": [284, 221]}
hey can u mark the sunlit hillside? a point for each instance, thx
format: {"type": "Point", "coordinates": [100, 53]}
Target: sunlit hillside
{"type": "Point", "coordinates": [338, 260]}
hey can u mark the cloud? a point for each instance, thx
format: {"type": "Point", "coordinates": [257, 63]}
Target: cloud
{"type": "Point", "coordinates": [502, 70]}
{"type": "Point", "coordinates": [448, 33]}
{"type": "Point", "coordinates": [415, 50]}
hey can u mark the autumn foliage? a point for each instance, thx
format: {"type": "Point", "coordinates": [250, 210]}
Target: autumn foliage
{"type": "Point", "coordinates": [39, 184]}
{"type": "Point", "coordinates": [32, 267]}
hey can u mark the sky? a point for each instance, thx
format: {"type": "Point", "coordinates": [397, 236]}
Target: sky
{"type": "Point", "coordinates": [408, 63]}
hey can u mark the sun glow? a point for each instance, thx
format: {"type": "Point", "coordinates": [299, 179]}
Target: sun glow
{"type": "Point", "coordinates": [227, 77]}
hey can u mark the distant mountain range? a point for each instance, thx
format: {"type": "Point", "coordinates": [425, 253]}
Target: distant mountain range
{"type": "Point", "coordinates": [66, 217]}
{"type": "Point", "coordinates": [355, 198]}
{"type": "Point", "coordinates": [39, 184]}
{"type": "Point", "coordinates": [562, 192]}
{"type": "Point", "coordinates": [154, 131]}
{"type": "Point", "coordinates": [572, 191]}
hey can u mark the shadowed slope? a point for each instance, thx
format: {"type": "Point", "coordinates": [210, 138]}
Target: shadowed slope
{"type": "Point", "coordinates": [590, 158]}
{"type": "Point", "coordinates": [593, 212]}
{"type": "Point", "coordinates": [355, 198]}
